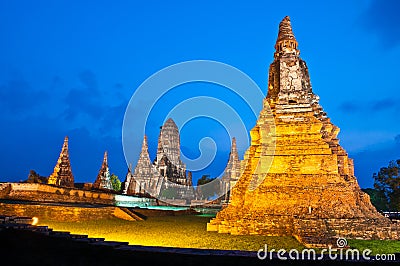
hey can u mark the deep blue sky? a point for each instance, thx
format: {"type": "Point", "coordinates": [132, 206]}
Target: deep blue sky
{"type": "Point", "coordinates": [70, 68]}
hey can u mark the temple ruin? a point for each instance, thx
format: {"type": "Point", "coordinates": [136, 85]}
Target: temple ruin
{"type": "Point", "coordinates": [62, 174]}
{"type": "Point", "coordinates": [103, 180]}
{"type": "Point", "coordinates": [231, 173]}
{"type": "Point", "coordinates": [167, 170]}
{"type": "Point", "coordinates": [145, 179]}
{"type": "Point", "coordinates": [168, 159]}
{"type": "Point", "coordinates": [297, 180]}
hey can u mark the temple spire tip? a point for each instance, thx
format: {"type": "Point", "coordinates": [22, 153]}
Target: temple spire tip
{"type": "Point", "coordinates": [286, 41]}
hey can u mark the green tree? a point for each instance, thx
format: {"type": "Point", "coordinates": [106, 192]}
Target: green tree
{"type": "Point", "coordinates": [378, 199]}
{"type": "Point", "coordinates": [115, 182]}
{"type": "Point", "coordinates": [207, 187]}
{"type": "Point", "coordinates": [387, 183]}
{"type": "Point", "coordinates": [204, 180]}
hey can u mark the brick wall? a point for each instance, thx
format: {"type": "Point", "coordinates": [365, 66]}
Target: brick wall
{"type": "Point", "coordinates": [63, 213]}
{"type": "Point", "coordinates": [48, 193]}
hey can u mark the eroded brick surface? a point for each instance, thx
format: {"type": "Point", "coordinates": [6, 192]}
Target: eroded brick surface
{"type": "Point", "coordinates": [306, 186]}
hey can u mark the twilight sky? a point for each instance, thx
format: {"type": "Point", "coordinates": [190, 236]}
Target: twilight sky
{"type": "Point", "coordinates": [71, 67]}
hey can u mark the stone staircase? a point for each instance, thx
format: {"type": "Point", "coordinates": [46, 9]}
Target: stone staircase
{"type": "Point", "coordinates": [25, 223]}
{"type": "Point", "coordinates": [133, 214]}
{"type": "Point", "coordinates": [313, 233]}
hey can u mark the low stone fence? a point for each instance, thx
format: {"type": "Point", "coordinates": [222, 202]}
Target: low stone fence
{"type": "Point", "coordinates": [61, 213]}
{"type": "Point", "coordinates": [48, 193]}
{"type": "Point", "coordinates": [43, 193]}
{"type": "Point", "coordinates": [172, 202]}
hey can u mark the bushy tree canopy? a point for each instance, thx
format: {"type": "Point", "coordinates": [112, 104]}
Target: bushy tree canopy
{"type": "Point", "coordinates": [115, 182]}
{"type": "Point", "coordinates": [387, 185]}
{"type": "Point", "coordinates": [207, 187]}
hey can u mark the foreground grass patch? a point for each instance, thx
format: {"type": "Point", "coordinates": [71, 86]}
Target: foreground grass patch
{"type": "Point", "coordinates": [171, 231]}
{"type": "Point", "coordinates": [377, 246]}
{"type": "Point", "coordinates": [190, 232]}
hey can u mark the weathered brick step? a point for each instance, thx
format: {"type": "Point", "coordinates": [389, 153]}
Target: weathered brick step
{"type": "Point", "coordinates": [89, 240]}
{"type": "Point", "coordinates": [15, 219]}
{"type": "Point", "coordinates": [110, 243]}
{"type": "Point", "coordinates": [132, 214]}
{"type": "Point", "coordinates": [15, 222]}
{"type": "Point", "coordinates": [41, 229]}
{"type": "Point", "coordinates": [60, 234]}
{"type": "Point", "coordinates": [76, 236]}
{"type": "Point", "coordinates": [191, 251]}
{"type": "Point", "coordinates": [16, 226]}
{"type": "Point", "coordinates": [97, 239]}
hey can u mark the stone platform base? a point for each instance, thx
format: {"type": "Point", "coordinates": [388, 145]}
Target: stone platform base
{"type": "Point", "coordinates": [50, 193]}
{"type": "Point", "coordinates": [64, 213]}
{"type": "Point", "coordinates": [312, 232]}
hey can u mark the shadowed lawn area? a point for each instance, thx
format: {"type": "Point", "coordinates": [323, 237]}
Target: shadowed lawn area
{"type": "Point", "coordinates": [377, 246]}
{"type": "Point", "coordinates": [189, 231]}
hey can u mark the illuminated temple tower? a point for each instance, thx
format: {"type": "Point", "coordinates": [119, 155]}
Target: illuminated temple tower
{"type": "Point", "coordinates": [231, 173]}
{"type": "Point", "coordinates": [128, 179]}
{"type": "Point", "coordinates": [166, 172]}
{"type": "Point", "coordinates": [62, 174]}
{"type": "Point", "coordinates": [145, 179]}
{"type": "Point", "coordinates": [103, 180]}
{"type": "Point", "coordinates": [305, 186]}
{"type": "Point", "coordinates": [168, 160]}
{"type": "Point", "coordinates": [169, 165]}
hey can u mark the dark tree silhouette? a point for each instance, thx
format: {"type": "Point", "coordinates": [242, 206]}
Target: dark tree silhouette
{"type": "Point", "coordinates": [207, 187]}
{"type": "Point", "coordinates": [387, 185]}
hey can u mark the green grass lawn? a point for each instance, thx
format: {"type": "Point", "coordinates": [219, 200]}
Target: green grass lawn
{"type": "Point", "coordinates": [172, 231]}
{"type": "Point", "coordinates": [377, 246]}
{"type": "Point", "coordinates": [189, 231]}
